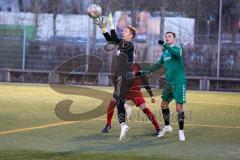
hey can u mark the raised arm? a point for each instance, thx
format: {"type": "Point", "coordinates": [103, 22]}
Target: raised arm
{"type": "Point", "coordinates": [101, 22]}
{"type": "Point", "coordinates": [114, 36]}
{"type": "Point", "coordinates": [112, 28]}
{"type": "Point", "coordinates": [107, 36]}
{"type": "Point", "coordinates": [175, 51]}
{"type": "Point", "coordinates": [111, 38]}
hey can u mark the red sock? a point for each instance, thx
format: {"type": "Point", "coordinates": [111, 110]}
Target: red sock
{"type": "Point", "coordinates": [152, 118]}
{"type": "Point", "coordinates": [110, 111]}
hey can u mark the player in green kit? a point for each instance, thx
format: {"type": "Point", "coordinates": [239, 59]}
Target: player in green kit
{"type": "Point", "coordinates": [175, 87]}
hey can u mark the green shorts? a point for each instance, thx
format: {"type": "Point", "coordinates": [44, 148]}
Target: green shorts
{"type": "Point", "coordinates": [177, 92]}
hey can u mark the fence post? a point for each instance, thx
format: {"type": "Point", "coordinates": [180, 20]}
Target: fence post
{"type": "Point", "coordinates": [24, 49]}
{"type": "Point", "coordinates": [219, 38]}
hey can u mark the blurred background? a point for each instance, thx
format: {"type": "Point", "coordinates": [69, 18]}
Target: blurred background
{"type": "Point", "coordinates": [36, 36]}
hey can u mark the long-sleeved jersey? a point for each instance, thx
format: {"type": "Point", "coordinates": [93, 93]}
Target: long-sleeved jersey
{"type": "Point", "coordinates": [139, 81]}
{"type": "Point", "coordinates": [125, 58]}
{"type": "Point", "coordinates": [173, 61]}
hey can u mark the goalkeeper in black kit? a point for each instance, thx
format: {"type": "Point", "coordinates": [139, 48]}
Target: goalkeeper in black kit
{"type": "Point", "coordinates": [124, 61]}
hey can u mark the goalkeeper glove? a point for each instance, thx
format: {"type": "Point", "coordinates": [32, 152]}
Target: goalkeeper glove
{"type": "Point", "coordinates": [110, 20]}
{"type": "Point", "coordinates": [161, 42]}
{"type": "Point", "coordinates": [102, 23]}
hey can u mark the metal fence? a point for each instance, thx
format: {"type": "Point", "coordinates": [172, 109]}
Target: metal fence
{"type": "Point", "coordinates": [40, 35]}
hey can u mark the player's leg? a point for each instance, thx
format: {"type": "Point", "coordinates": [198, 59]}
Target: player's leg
{"type": "Point", "coordinates": [137, 98]}
{"type": "Point", "coordinates": [110, 112]}
{"type": "Point", "coordinates": [128, 109]}
{"type": "Point", "coordinates": [122, 90]}
{"type": "Point", "coordinates": [127, 105]}
{"type": "Point", "coordinates": [120, 107]}
{"type": "Point", "coordinates": [166, 117]}
{"type": "Point", "coordinates": [121, 117]}
{"type": "Point", "coordinates": [180, 98]}
{"type": "Point", "coordinates": [151, 117]}
{"type": "Point", "coordinates": [139, 101]}
{"type": "Point", "coordinates": [180, 111]}
{"type": "Point", "coordinates": [120, 103]}
{"type": "Point", "coordinates": [166, 99]}
{"type": "Point", "coordinates": [181, 117]}
{"type": "Point", "coordinates": [165, 112]}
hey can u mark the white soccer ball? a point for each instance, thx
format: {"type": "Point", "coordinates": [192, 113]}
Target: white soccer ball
{"type": "Point", "coordinates": [94, 11]}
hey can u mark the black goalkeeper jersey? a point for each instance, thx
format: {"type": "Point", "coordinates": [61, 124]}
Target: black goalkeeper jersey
{"type": "Point", "coordinates": [125, 58]}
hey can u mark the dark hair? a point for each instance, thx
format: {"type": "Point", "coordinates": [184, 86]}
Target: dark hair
{"type": "Point", "coordinates": [174, 35]}
{"type": "Point", "coordinates": [132, 30]}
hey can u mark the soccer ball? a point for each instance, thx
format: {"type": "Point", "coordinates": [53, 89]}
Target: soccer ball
{"type": "Point", "coordinates": [94, 11]}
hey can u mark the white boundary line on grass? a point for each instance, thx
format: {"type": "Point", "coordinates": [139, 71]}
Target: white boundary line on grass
{"type": "Point", "coordinates": [73, 122]}
{"type": "Point", "coordinates": [37, 127]}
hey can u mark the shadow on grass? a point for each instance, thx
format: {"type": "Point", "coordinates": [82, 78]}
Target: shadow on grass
{"type": "Point", "coordinates": [39, 155]}
{"type": "Point", "coordinates": [109, 142]}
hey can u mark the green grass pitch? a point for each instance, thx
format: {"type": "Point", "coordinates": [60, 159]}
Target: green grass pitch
{"type": "Point", "coordinates": [30, 130]}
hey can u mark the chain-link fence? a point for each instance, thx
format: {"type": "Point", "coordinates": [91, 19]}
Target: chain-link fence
{"type": "Point", "coordinates": [40, 35]}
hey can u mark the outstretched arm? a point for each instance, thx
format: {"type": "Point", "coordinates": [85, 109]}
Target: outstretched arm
{"type": "Point", "coordinates": [154, 67]}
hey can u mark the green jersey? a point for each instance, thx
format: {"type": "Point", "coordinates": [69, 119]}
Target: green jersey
{"type": "Point", "coordinates": [173, 61]}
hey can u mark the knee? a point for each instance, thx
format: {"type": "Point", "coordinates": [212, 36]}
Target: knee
{"type": "Point", "coordinates": [117, 97]}
{"type": "Point", "coordinates": [164, 105]}
{"type": "Point", "coordinates": [143, 106]}
{"type": "Point", "coordinates": [179, 107]}
{"type": "Point", "coordinates": [113, 102]}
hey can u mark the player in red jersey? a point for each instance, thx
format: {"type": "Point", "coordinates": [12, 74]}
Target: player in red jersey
{"type": "Point", "coordinates": [135, 95]}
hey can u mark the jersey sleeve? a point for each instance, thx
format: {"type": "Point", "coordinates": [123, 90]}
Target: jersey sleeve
{"type": "Point", "coordinates": [146, 85]}
{"type": "Point", "coordinates": [115, 37]}
{"type": "Point", "coordinates": [155, 67]}
{"type": "Point", "coordinates": [175, 50]}
{"type": "Point", "coordinates": [107, 36]}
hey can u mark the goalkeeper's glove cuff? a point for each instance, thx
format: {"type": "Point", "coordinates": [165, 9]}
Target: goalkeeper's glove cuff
{"type": "Point", "coordinates": [110, 20]}
{"type": "Point", "coordinates": [111, 26]}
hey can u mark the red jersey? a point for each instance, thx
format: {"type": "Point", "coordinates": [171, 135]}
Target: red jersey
{"type": "Point", "coordinates": [138, 82]}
